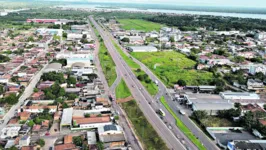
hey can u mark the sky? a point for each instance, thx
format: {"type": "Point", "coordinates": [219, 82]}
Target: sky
{"type": "Point", "coordinates": [233, 3]}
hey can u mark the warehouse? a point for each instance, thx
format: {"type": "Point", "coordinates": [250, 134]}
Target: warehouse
{"type": "Point", "coordinates": [142, 49]}
{"type": "Point", "coordinates": [212, 108]}
{"type": "Point", "coordinates": [239, 95]}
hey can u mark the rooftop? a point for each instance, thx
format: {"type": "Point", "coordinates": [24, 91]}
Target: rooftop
{"type": "Point", "coordinates": [92, 120]}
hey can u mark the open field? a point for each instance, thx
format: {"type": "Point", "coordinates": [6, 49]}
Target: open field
{"type": "Point", "coordinates": [213, 121]}
{"type": "Point", "coordinates": [107, 64]}
{"type": "Point", "coordinates": [172, 66]}
{"type": "Point", "coordinates": [150, 87]}
{"type": "Point", "coordinates": [147, 135]}
{"type": "Point", "coordinates": [182, 126]}
{"type": "Point", "coordinates": [137, 24]}
{"type": "Point", "coordinates": [122, 90]}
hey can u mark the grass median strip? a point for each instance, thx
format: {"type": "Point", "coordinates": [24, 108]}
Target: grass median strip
{"type": "Point", "coordinates": [144, 130]}
{"type": "Point", "coordinates": [149, 85]}
{"type": "Point", "coordinates": [182, 126]}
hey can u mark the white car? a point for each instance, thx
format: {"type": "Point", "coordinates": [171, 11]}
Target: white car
{"type": "Point", "coordinates": [182, 112]}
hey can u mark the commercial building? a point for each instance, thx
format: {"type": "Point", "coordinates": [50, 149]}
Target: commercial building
{"type": "Point", "coordinates": [10, 131]}
{"type": "Point", "coordinates": [91, 138]}
{"type": "Point", "coordinates": [66, 120]}
{"type": "Point", "coordinates": [239, 95]}
{"type": "Point", "coordinates": [247, 145]}
{"type": "Point", "coordinates": [45, 31]}
{"type": "Point", "coordinates": [212, 108]}
{"type": "Point", "coordinates": [92, 122]}
{"type": "Point", "coordinates": [142, 49]}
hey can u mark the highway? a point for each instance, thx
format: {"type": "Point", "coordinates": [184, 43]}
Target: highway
{"type": "Point", "coordinates": [208, 143]}
{"type": "Point", "coordinates": [123, 122]}
{"type": "Point", "coordinates": [140, 94]}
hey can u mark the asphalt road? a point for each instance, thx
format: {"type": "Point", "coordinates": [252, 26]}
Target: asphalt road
{"type": "Point", "coordinates": [123, 122]}
{"type": "Point", "coordinates": [209, 144]}
{"type": "Point", "coordinates": [140, 94]}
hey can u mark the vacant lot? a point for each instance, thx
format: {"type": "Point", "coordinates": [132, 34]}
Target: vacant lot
{"type": "Point", "coordinates": [122, 90]}
{"type": "Point", "coordinates": [137, 24]}
{"type": "Point", "coordinates": [172, 66]}
{"type": "Point", "coordinates": [212, 121]}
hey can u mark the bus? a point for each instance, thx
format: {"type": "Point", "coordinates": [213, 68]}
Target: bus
{"type": "Point", "coordinates": [161, 112]}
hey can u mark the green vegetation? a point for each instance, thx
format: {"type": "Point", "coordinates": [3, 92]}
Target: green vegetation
{"type": "Point", "coordinates": [173, 66]}
{"type": "Point", "coordinates": [212, 121]}
{"type": "Point", "coordinates": [41, 142]}
{"type": "Point", "coordinates": [146, 82]}
{"type": "Point", "coordinates": [53, 76]}
{"type": "Point", "coordinates": [107, 64]}
{"type": "Point", "coordinates": [54, 91]}
{"type": "Point", "coordinates": [10, 99]}
{"type": "Point", "coordinates": [147, 135]}
{"type": "Point", "coordinates": [122, 90]}
{"type": "Point", "coordinates": [137, 24]}
{"type": "Point", "coordinates": [182, 126]}
{"type": "Point", "coordinates": [4, 59]}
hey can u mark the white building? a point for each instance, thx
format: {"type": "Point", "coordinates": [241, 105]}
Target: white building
{"type": "Point", "coordinates": [260, 36]}
{"type": "Point", "coordinates": [24, 141]}
{"type": "Point", "coordinates": [254, 84]}
{"type": "Point", "coordinates": [142, 49]}
{"type": "Point", "coordinates": [239, 95]}
{"type": "Point", "coordinates": [74, 36]}
{"type": "Point", "coordinates": [10, 131]}
{"type": "Point", "coordinates": [45, 31]}
{"type": "Point", "coordinates": [212, 108]}
{"type": "Point", "coordinates": [91, 138]}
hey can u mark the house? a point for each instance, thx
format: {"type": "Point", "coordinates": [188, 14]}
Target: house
{"type": "Point", "coordinates": [45, 123]}
{"type": "Point", "coordinates": [36, 128]}
{"type": "Point", "coordinates": [252, 108]}
{"type": "Point", "coordinates": [24, 141]}
{"type": "Point", "coordinates": [92, 122]}
{"type": "Point", "coordinates": [68, 146]}
{"type": "Point", "coordinates": [29, 148]}
{"type": "Point", "coordinates": [112, 136]}
{"type": "Point", "coordinates": [24, 129]}
{"type": "Point", "coordinates": [142, 49]}
{"type": "Point", "coordinates": [68, 139]}
{"type": "Point", "coordinates": [38, 95]}
{"type": "Point", "coordinates": [45, 84]}
{"type": "Point", "coordinates": [138, 40]}
{"type": "Point", "coordinates": [24, 115]}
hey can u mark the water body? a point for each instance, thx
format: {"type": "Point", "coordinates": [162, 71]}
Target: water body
{"type": "Point", "coordinates": [224, 14]}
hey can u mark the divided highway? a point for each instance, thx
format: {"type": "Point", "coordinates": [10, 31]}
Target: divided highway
{"type": "Point", "coordinates": [140, 94]}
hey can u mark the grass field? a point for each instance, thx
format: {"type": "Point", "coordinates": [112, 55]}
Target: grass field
{"type": "Point", "coordinates": [172, 66]}
{"type": "Point", "coordinates": [182, 126]}
{"type": "Point", "coordinates": [107, 64]}
{"type": "Point", "coordinates": [122, 90]}
{"type": "Point", "coordinates": [150, 87]}
{"type": "Point", "coordinates": [147, 135]}
{"type": "Point", "coordinates": [137, 24]}
{"type": "Point", "coordinates": [213, 121]}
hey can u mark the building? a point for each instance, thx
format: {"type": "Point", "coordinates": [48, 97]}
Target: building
{"type": "Point", "coordinates": [42, 20]}
{"type": "Point", "coordinates": [24, 115]}
{"type": "Point", "coordinates": [38, 106]}
{"type": "Point", "coordinates": [142, 49]}
{"type": "Point", "coordinates": [260, 35]}
{"type": "Point", "coordinates": [91, 137]}
{"type": "Point", "coordinates": [24, 141]}
{"type": "Point", "coordinates": [45, 31]}
{"type": "Point", "coordinates": [255, 84]}
{"type": "Point", "coordinates": [68, 146]}
{"type": "Point", "coordinates": [112, 136]}
{"type": "Point", "coordinates": [239, 95]}
{"type": "Point", "coordinates": [66, 120]}
{"type": "Point", "coordinates": [92, 122]}
{"type": "Point", "coordinates": [247, 145]}
{"type": "Point", "coordinates": [10, 131]}
{"type": "Point", "coordinates": [74, 36]}
{"type": "Point", "coordinates": [212, 108]}
{"type": "Point", "coordinates": [53, 67]}
{"type": "Point", "coordinates": [68, 139]}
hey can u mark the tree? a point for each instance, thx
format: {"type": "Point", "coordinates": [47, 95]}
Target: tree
{"type": "Point", "coordinates": [260, 76]}
{"type": "Point", "coordinates": [41, 142]}
{"type": "Point", "coordinates": [31, 123]}
{"type": "Point", "coordinates": [64, 34]}
{"type": "Point", "coordinates": [71, 80]}
{"type": "Point", "coordinates": [100, 145]}
{"type": "Point", "coordinates": [264, 106]}
{"type": "Point", "coordinates": [87, 115]}
{"type": "Point", "coordinates": [4, 58]}
{"type": "Point", "coordinates": [71, 96]}
{"type": "Point", "coordinates": [172, 39]}
{"type": "Point", "coordinates": [181, 82]}
{"type": "Point", "coordinates": [35, 90]}
{"type": "Point", "coordinates": [11, 99]}
{"type": "Point", "coordinates": [237, 105]}
{"type": "Point", "coordinates": [77, 140]}
{"type": "Point", "coordinates": [125, 40]}
{"type": "Point", "coordinates": [84, 36]}
{"type": "Point", "coordinates": [199, 114]}
{"type": "Point", "coordinates": [1, 89]}
{"type": "Point", "coordinates": [12, 148]}
{"type": "Point", "coordinates": [64, 105]}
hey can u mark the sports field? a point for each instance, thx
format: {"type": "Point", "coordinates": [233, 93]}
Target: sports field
{"type": "Point", "coordinates": [137, 24]}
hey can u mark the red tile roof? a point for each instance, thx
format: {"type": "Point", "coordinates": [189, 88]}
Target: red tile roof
{"type": "Point", "coordinates": [92, 120]}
